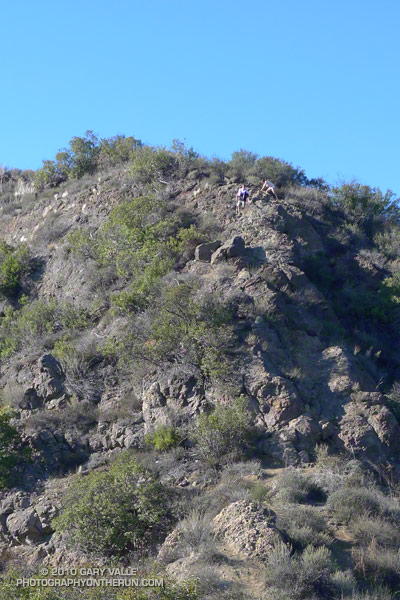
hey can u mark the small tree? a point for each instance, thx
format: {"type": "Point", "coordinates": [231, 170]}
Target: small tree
{"type": "Point", "coordinates": [14, 263]}
{"type": "Point", "coordinates": [279, 172]}
{"type": "Point", "coordinates": [115, 511]}
{"type": "Point", "coordinates": [362, 203]}
{"type": "Point", "coordinates": [242, 164]}
{"type": "Point", "coordinates": [12, 452]}
{"type": "Point", "coordinates": [117, 149]}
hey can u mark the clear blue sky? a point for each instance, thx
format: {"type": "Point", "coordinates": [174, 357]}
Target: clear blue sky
{"type": "Point", "coordinates": [314, 83]}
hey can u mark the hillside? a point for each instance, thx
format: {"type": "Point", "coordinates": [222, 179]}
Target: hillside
{"type": "Point", "coordinates": [208, 397]}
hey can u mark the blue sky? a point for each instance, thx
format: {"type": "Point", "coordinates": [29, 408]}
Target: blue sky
{"type": "Point", "coordinates": [314, 83]}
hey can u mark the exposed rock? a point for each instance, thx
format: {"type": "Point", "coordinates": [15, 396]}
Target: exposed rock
{"type": "Point", "coordinates": [246, 530]}
{"type": "Point", "coordinates": [370, 431]}
{"type": "Point", "coordinates": [231, 249]}
{"type": "Point", "coordinates": [168, 551]}
{"type": "Point", "coordinates": [277, 397]}
{"type": "Point", "coordinates": [47, 385]}
{"type": "Point", "coordinates": [171, 398]}
{"type": "Point", "coordinates": [25, 526]}
{"type": "Point", "coordinates": [308, 432]}
{"type": "Point", "coordinates": [204, 251]}
{"type": "Point", "coordinates": [60, 450]}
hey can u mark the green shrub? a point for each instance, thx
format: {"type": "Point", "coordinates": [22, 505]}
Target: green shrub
{"type": "Point", "coordinates": [81, 157]}
{"type": "Point", "coordinates": [367, 529]}
{"type": "Point", "coordinates": [224, 431]}
{"type": "Point", "coordinates": [140, 293]}
{"type": "Point", "coordinates": [153, 164]}
{"type": "Point", "coordinates": [218, 170]}
{"type": "Point", "coordinates": [12, 452]}
{"type": "Point", "coordinates": [361, 203]}
{"type": "Point", "coordinates": [181, 327]}
{"type": "Point", "coordinates": [359, 301]}
{"type": "Point", "coordinates": [117, 150]}
{"type": "Point", "coordinates": [164, 438]}
{"type": "Point", "coordinates": [281, 173]}
{"type": "Point", "coordinates": [135, 234]}
{"type": "Point", "coordinates": [50, 175]}
{"type": "Point", "coordinates": [388, 242]}
{"type": "Point", "coordinates": [259, 492]}
{"type": "Point", "coordinates": [33, 321]}
{"type": "Point", "coordinates": [115, 511]}
{"type": "Point", "coordinates": [81, 243]}
{"type": "Point", "coordinates": [393, 400]}
{"type": "Point", "coordinates": [242, 164]}
{"type": "Point", "coordinates": [141, 243]}
{"type": "Point", "coordinates": [188, 239]}
{"type": "Point", "coordinates": [14, 263]}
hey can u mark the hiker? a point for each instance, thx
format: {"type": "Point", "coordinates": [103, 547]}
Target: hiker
{"type": "Point", "coordinates": [242, 196]}
{"type": "Point", "coordinates": [269, 189]}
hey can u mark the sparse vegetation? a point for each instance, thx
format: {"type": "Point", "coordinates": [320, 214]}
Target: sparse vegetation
{"type": "Point", "coordinates": [261, 349]}
{"type": "Point", "coordinates": [299, 576]}
{"type": "Point", "coordinates": [224, 431]}
{"type": "Point", "coordinates": [293, 486]}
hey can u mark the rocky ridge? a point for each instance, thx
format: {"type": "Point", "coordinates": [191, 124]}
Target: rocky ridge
{"type": "Point", "coordinates": [303, 388]}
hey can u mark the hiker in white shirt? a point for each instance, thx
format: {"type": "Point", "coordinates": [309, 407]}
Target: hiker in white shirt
{"type": "Point", "coordinates": [269, 189]}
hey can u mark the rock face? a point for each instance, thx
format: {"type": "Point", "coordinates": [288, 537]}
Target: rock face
{"type": "Point", "coordinates": [170, 399]}
{"type": "Point", "coordinates": [277, 398]}
{"type": "Point", "coordinates": [204, 252]}
{"type": "Point", "coordinates": [47, 385]}
{"type": "Point", "coordinates": [369, 429]}
{"type": "Point", "coordinates": [274, 266]}
{"type": "Point", "coordinates": [250, 533]}
{"type": "Point", "coordinates": [25, 526]}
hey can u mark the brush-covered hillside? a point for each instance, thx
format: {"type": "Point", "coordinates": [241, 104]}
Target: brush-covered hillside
{"type": "Point", "coordinates": [210, 398]}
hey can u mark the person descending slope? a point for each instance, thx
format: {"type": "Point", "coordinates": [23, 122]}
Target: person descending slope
{"type": "Point", "coordinates": [241, 196]}
{"type": "Point", "coordinates": [269, 189]}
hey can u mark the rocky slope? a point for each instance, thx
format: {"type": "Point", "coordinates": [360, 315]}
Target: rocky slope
{"type": "Point", "coordinates": [307, 378]}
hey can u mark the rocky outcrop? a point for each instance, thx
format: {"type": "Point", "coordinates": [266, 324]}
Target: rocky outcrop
{"type": "Point", "coordinates": [250, 533]}
{"type": "Point", "coordinates": [25, 526]}
{"type": "Point", "coordinates": [171, 399]}
{"type": "Point", "coordinates": [205, 251]}
{"type": "Point", "coordinates": [58, 450]}
{"type": "Point", "coordinates": [277, 398]}
{"type": "Point", "coordinates": [45, 386]}
{"type": "Point", "coordinates": [369, 429]}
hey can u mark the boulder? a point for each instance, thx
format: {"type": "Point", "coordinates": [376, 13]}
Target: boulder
{"type": "Point", "coordinates": [233, 248]}
{"type": "Point", "coordinates": [308, 432]}
{"type": "Point", "coordinates": [247, 530]}
{"type": "Point", "coordinates": [204, 252]}
{"type": "Point", "coordinates": [48, 383]}
{"type": "Point", "coordinates": [370, 432]}
{"type": "Point", "coordinates": [25, 526]}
